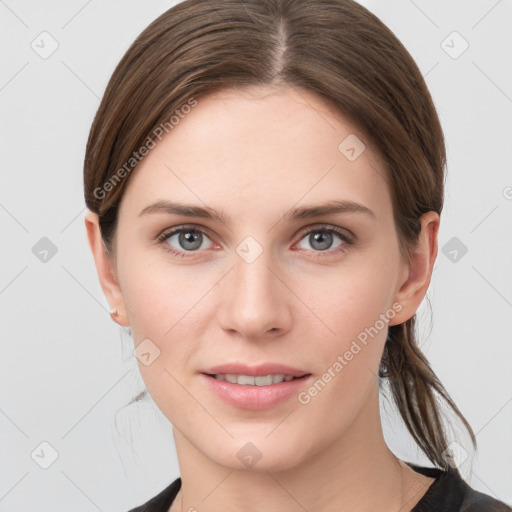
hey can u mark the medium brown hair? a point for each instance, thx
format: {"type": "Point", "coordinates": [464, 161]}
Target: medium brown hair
{"type": "Point", "coordinates": [336, 49]}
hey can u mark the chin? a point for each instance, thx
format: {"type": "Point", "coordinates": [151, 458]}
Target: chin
{"type": "Point", "coordinates": [258, 453]}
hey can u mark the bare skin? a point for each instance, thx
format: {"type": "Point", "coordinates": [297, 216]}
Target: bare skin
{"type": "Point", "coordinates": [413, 488]}
{"type": "Point", "coordinates": [255, 156]}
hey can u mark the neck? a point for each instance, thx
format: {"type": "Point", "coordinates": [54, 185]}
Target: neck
{"type": "Point", "coordinates": [356, 473]}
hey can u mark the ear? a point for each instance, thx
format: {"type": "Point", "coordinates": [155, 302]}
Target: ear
{"type": "Point", "coordinates": [416, 275]}
{"type": "Point", "coordinates": [105, 266]}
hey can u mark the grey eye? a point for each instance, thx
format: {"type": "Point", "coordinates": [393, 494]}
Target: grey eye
{"type": "Point", "coordinates": [188, 239]}
{"type": "Point", "coordinates": [322, 239]}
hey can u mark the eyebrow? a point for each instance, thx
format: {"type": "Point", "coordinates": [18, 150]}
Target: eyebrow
{"type": "Point", "coordinates": [303, 212]}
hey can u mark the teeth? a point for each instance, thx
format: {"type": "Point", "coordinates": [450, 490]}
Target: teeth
{"type": "Point", "coordinates": [248, 380]}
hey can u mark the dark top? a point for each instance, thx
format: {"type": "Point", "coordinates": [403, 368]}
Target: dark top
{"type": "Point", "coordinates": [448, 493]}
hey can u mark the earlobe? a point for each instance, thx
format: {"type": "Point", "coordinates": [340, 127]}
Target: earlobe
{"type": "Point", "coordinates": [418, 273]}
{"type": "Point", "coordinates": [106, 269]}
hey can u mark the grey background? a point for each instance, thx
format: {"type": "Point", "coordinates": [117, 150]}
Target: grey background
{"type": "Point", "coordinates": [66, 370]}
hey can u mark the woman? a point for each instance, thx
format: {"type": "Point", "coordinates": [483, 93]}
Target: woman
{"type": "Point", "coordinates": [265, 183]}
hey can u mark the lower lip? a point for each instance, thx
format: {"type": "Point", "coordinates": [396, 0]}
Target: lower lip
{"type": "Point", "coordinates": [252, 397]}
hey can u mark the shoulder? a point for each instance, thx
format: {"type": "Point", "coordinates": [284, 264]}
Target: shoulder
{"type": "Point", "coordinates": [162, 501]}
{"type": "Point", "coordinates": [475, 501]}
{"type": "Point", "coordinates": [450, 493]}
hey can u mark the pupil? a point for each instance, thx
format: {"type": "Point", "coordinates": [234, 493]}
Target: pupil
{"type": "Point", "coordinates": [189, 237]}
{"type": "Point", "coordinates": [324, 238]}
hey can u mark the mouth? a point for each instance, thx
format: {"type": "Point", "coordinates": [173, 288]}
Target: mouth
{"type": "Point", "coordinates": [255, 387]}
{"type": "Point", "coordinates": [259, 391]}
{"type": "Point", "coordinates": [258, 380]}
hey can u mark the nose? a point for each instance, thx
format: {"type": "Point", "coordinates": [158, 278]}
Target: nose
{"type": "Point", "coordinates": [254, 300]}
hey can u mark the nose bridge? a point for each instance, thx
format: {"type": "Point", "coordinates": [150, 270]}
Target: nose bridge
{"type": "Point", "coordinates": [254, 300]}
{"type": "Point", "coordinates": [254, 280]}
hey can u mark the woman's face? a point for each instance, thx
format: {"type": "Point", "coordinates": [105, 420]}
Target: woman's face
{"type": "Point", "coordinates": [269, 284]}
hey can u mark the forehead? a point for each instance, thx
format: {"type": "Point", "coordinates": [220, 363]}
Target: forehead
{"type": "Point", "coordinates": [261, 147]}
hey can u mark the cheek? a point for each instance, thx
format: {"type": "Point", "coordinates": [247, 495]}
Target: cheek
{"type": "Point", "coordinates": [357, 306]}
{"type": "Point", "coordinates": [167, 305]}
{"type": "Point", "coordinates": [167, 311]}
{"type": "Point", "coordinates": [159, 296]}
{"type": "Point", "coordinates": [352, 356]}
{"type": "Point", "coordinates": [356, 299]}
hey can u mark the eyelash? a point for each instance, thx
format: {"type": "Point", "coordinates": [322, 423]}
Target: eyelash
{"type": "Point", "coordinates": [348, 239]}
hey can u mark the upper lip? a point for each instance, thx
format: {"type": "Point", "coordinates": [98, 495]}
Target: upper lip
{"type": "Point", "coordinates": [255, 371]}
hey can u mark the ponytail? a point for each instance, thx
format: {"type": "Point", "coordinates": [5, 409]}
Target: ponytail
{"type": "Point", "coordinates": [415, 389]}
